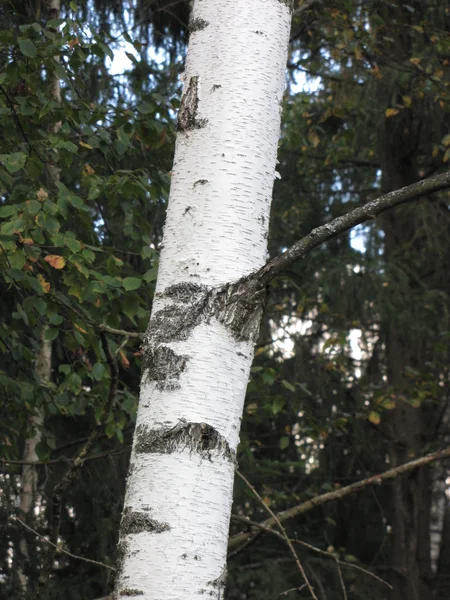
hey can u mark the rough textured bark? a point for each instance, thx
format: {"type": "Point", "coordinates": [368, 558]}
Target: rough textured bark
{"type": "Point", "coordinates": [198, 347]}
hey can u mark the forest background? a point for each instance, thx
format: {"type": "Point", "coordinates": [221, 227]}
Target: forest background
{"type": "Point", "coordinates": [352, 366]}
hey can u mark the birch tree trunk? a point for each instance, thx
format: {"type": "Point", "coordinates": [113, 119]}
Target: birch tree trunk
{"type": "Point", "coordinates": [198, 348]}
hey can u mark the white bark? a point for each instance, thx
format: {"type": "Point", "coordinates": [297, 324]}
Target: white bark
{"type": "Point", "coordinates": [199, 345]}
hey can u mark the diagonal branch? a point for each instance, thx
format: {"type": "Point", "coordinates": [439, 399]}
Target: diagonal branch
{"type": "Point", "coordinates": [304, 507]}
{"type": "Point", "coordinates": [283, 534]}
{"type": "Point", "coordinates": [341, 224]}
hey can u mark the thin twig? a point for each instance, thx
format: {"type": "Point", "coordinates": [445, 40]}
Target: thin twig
{"type": "Point", "coordinates": [59, 549]}
{"type": "Point", "coordinates": [296, 589]}
{"type": "Point", "coordinates": [369, 211]}
{"type": "Point", "coordinates": [341, 563]}
{"type": "Point", "coordinates": [62, 459]}
{"type": "Point", "coordinates": [353, 488]}
{"type": "Point", "coordinates": [283, 532]}
{"type": "Point", "coordinates": [114, 331]}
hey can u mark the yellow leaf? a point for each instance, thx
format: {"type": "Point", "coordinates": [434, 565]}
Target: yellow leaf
{"type": "Point", "coordinates": [41, 195]}
{"type": "Point", "coordinates": [391, 112]}
{"type": "Point", "coordinates": [389, 404]}
{"type": "Point", "coordinates": [124, 359]}
{"type": "Point", "coordinates": [44, 284]}
{"type": "Point", "coordinates": [374, 417]}
{"type": "Point", "coordinates": [55, 261]}
{"type": "Point", "coordinates": [446, 140]}
{"type": "Point", "coordinates": [407, 101]}
{"type": "Point", "coordinates": [251, 408]}
{"type": "Point", "coordinates": [80, 329]}
{"type": "Point", "coordinates": [266, 500]}
{"type": "Point", "coordinates": [25, 241]}
{"type": "Point", "coordinates": [88, 170]}
{"type": "Point", "coordinates": [88, 146]}
{"type": "Point", "coordinates": [314, 139]}
{"type": "Point", "coordinates": [415, 61]}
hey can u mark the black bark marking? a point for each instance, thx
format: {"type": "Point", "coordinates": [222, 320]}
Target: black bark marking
{"type": "Point", "coordinates": [130, 592]}
{"type": "Point", "coordinates": [187, 115]}
{"type": "Point", "coordinates": [215, 87]}
{"type": "Point", "coordinates": [137, 522]}
{"type": "Point", "coordinates": [197, 25]}
{"type": "Point", "coordinates": [175, 322]}
{"type": "Point", "coordinates": [164, 366]}
{"type": "Point", "coordinates": [239, 306]}
{"type": "Point", "coordinates": [288, 3]}
{"type": "Point", "coordinates": [218, 585]}
{"type": "Point", "coordinates": [122, 552]}
{"type": "Point", "coordinates": [200, 438]}
{"type": "Point", "coordinates": [201, 182]}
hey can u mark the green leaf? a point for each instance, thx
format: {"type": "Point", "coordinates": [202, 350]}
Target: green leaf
{"type": "Point", "coordinates": [8, 211]}
{"type": "Point", "coordinates": [55, 23]}
{"type": "Point", "coordinates": [50, 223]}
{"type": "Point", "coordinates": [130, 305]}
{"type": "Point", "coordinates": [284, 442]}
{"type": "Point", "coordinates": [51, 334]}
{"type": "Point", "coordinates": [76, 201]}
{"type": "Point", "coordinates": [277, 404]}
{"type": "Point", "coordinates": [145, 108]}
{"type": "Point", "coordinates": [147, 252]}
{"type": "Point", "coordinates": [65, 145]}
{"type": "Point", "coordinates": [151, 275]}
{"type": "Point", "coordinates": [131, 283]}
{"type": "Point", "coordinates": [288, 385]}
{"type": "Point", "coordinates": [98, 370]}
{"type": "Point", "coordinates": [27, 47]}
{"type": "Point", "coordinates": [14, 161]}
{"type": "Point", "coordinates": [110, 429]}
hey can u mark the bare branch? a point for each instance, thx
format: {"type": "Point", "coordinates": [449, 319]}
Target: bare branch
{"type": "Point", "coordinates": [59, 549]}
{"type": "Point", "coordinates": [113, 331]}
{"type": "Point", "coordinates": [283, 534]}
{"type": "Point", "coordinates": [341, 224]}
{"type": "Point", "coordinates": [304, 507]}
